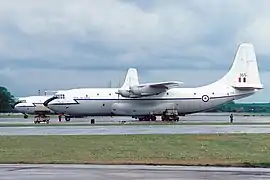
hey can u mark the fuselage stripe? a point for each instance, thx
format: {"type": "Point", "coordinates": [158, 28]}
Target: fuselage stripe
{"type": "Point", "coordinates": [150, 99]}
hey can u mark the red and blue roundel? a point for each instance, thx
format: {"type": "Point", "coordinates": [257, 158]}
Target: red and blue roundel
{"type": "Point", "coordinates": [205, 98]}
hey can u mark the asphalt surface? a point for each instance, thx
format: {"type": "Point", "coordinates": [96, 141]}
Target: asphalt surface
{"type": "Point", "coordinates": [179, 128]}
{"type": "Point", "coordinates": [112, 172]}
{"type": "Point", "coordinates": [193, 118]}
{"type": "Point", "coordinates": [143, 129]}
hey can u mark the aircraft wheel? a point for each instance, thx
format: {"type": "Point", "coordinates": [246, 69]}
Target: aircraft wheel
{"type": "Point", "coordinates": [67, 118]}
{"type": "Point", "coordinates": [25, 116]}
{"type": "Point", "coordinates": [153, 118]}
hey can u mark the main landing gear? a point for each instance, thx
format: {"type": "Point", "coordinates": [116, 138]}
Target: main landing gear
{"type": "Point", "coordinates": [168, 115]}
{"type": "Point", "coordinates": [42, 118]}
{"type": "Point", "coordinates": [148, 118]}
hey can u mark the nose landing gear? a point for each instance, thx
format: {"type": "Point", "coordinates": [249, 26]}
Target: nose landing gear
{"type": "Point", "coordinates": [67, 118]}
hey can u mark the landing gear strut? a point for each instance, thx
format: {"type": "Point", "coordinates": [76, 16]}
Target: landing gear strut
{"type": "Point", "coordinates": [41, 118]}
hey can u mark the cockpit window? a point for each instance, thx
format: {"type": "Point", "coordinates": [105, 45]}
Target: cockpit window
{"type": "Point", "coordinates": [60, 96]}
{"type": "Point", "coordinates": [23, 101]}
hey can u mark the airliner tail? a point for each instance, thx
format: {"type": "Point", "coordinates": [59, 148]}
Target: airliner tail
{"type": "Point", "coordinates": [244, 73]}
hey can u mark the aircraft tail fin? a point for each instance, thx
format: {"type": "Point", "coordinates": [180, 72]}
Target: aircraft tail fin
{"type": "Point", "coordinates": [244, 73]}
{"type": "Point", "coordinates": [131, 79]}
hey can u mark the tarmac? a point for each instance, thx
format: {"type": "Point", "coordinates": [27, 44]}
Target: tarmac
{"type": "Point", "coordinates": [133, 129]}
{"type": "Point", "coordinates": [123, 172]}
{"type": "Point", "coordinates": [193, 118]}
{"type": "Point", "coordinates": [114, 129]}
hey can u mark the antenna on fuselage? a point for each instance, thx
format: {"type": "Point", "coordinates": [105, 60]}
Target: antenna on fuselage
{"type": "Point", "coordinates": [110, 84]}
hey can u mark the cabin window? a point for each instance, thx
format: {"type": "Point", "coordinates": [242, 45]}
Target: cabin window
{"type": "Point", "coordinates": [194, 93]}
{"type": "Point", "coordinates": [60, 96]}
{"type": "Point", "coordinates": [239, 80]}
{"type": "Point", "coordinates": [103, 105]}
{"type": "Point", "coordinates": [244, 80]}
{"type": "Point", "coordinates": [98, 94]}
{"type": "Point", "coordinates": [86, 95]}
{"type": "Point", "coordinates": [167, 93]}
{"type": "Point", "coordinates": [110, 94]}
{"type": "Point", "coordinates": [213, 93]}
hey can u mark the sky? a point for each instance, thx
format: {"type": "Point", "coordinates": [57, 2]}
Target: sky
{"type": "Point", "coordinates": [63, 44]}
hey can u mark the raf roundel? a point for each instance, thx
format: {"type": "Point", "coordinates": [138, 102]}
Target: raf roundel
{"type": "Point", "coordinates": [205, 98]}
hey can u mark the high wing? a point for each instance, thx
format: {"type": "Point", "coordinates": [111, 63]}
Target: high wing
{"type": "Point", "coordinates": [165, 85]}
{"type": "Point", "coordinates": [148, 89]}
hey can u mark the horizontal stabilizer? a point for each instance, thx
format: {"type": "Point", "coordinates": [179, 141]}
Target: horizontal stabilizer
{"type": "Point", "coordinates": [248, 87]}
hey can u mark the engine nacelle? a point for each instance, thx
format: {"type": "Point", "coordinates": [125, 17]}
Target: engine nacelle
{"type": "Point", "coordinates": [127, 94]}
{"type": "Point", "coordinates": [145, 91]}
{"type": "Point", "coordinates": [136, 92]}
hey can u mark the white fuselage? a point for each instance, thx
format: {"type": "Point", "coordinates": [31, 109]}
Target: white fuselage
{"type": "Point", "coordinates": [105, 101]}
{"type": "Point", "coordinates": [135, 99]}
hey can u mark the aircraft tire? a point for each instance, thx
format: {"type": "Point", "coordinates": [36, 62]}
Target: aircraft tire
{"type": "Point", "coordinates": [67, 118]}
{"type": "Point", "coordinates": [153, 118]}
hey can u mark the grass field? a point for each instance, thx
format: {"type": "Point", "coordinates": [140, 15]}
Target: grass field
{"type": "Point", "coordinates": [13, 116]}
{"type": "Point", "coordinates": [220, 150]}
{"type": "Point", "coordinates": [21, 116]}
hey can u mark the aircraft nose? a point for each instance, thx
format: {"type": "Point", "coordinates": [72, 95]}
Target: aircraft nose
{"type": "Point", "coordinates": [46, 103]}
{"type": "Point", "coordinates": [13, 106]}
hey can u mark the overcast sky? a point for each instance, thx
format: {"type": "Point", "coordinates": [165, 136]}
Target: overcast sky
{"type": "Point", "coordinates": [61, 44]}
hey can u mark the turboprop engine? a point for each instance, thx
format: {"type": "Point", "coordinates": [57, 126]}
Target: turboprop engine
{"type": "Point", "coordinates": [145, 90]}
{"type": "Point", "coordinates": [136, 91]}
